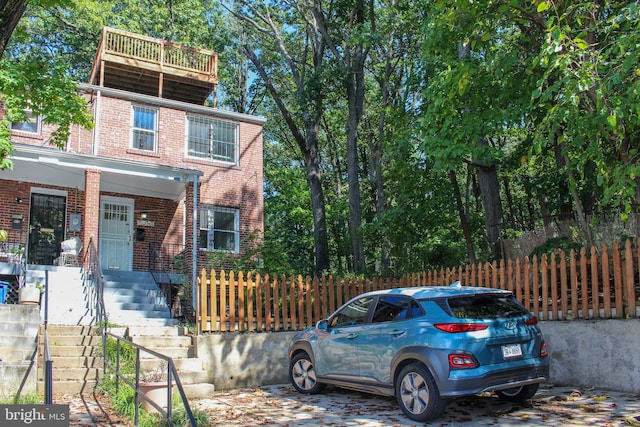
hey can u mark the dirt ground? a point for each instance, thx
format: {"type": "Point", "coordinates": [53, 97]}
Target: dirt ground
{"type": "Point", "coordinates": [282, 406]}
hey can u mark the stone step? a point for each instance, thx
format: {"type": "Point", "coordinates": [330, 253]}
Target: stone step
{"type": "Point", "coordinates": [75, 374]}
{"type": "Point", "coordinates": [136, 318]}
{"type": "Point", "coordinates": [73, 330]}
{"type": "Point", "coordinates": [70, 350]}
{"type": "Point", "coordinates": [162, 341]}
{"type": "Point", "coordinates": [73, 340]}
{"type": "Point", "coordinates": [181, 364]}
{"type": "Point", "coordinates": [65, 362]}
{"type": "Point", "coordinates": [172, 352]}
{"type": "Point", "coordinates": [156, 331]}
{"type": "Point", "coordinates": [70, 387]}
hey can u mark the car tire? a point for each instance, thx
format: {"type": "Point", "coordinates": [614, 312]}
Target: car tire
{"type": "Point", "coordinates": [302, 375]}
{"type": "Point", "coordinates": [518, 394]}
{"type": "Point", "coordinates": [417, 393]}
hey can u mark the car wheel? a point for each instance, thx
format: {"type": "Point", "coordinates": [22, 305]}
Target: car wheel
{"type": "Point", "coordinates": [518, 394]}
{"type": "Point", "coordinates": [302, 374]}
{"type": "Point", "coordinates": [417, 393]}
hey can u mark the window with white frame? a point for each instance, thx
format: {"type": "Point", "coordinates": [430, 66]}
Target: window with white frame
{"type": "Point", "coordinates": [219, 229]}
{"type": "Point", "coordinates": [144, 130]}
{"type": "Point", "coordinates": [211, 138]}
{"type": "Point", "coordinates": [30, 124]}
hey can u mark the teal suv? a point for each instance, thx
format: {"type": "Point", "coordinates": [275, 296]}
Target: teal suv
{"type": "Point", "coordinates": [425, 346]}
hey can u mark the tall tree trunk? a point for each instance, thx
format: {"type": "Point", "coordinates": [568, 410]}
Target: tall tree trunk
{"type": "Point", "coordinates": [308, 144]}
{"type": "Point", "coordinates": [490, 190]}
{"type": "Point", "coordinates": [352, 60]}
{"type": "Point", "coordinates": [353, 173]}
{"type": "Point", "coordinates": [321, 245]}
{"type": "Point", "coordinates": [10, 13]}
{"type": "Point", "coordinates": [464, 222]}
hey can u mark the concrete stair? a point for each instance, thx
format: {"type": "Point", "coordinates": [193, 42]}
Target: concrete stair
{"type": "Point", "coordinates": [77, 364]}
{"type": "Point", "coordinates": [18, 349]}
{"type": "Point", "coordinates": [75, 352]}
{"type": "Point", "coordinates": [175, 343]}
{"type": "Point", "coordinates": [133, 298]}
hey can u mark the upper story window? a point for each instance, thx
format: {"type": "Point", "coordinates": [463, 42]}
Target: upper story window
{"type": "Point", "coordinates": [144, 132]}
{"type": "Point", "coordinates": [30, 124]}
{"type": "Point", "coordinates": [212, 139]}
{"type": "Point", "coordinates": [219, 229]}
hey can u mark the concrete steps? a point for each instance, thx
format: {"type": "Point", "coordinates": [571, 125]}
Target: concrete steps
{"type": "Point", "coordinates": [75, 352]}
{"type": "Point", "coordinates": [175, 343]}
{"type": "Point", "coordinates": [133, 298]}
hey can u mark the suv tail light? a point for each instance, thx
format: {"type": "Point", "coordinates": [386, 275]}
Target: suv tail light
{"type": "Point", "coordinates": [543, 350]}
{"type": "Point", "coordinates": [533, 320]}
{"type": "Point", "coordinates": [462, 361]}
{"type": "Point", "coordinates": [460, 327]}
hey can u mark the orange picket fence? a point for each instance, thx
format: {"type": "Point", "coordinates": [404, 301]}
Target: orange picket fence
{"type": "Point", "coordinates": [592, 284]}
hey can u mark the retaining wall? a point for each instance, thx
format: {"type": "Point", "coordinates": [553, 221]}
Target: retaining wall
{"type": "Point", "coordinates": [584, 353]}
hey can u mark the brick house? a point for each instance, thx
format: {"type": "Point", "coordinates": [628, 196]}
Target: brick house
{"type": "Point", "coordinates": [161, 180]}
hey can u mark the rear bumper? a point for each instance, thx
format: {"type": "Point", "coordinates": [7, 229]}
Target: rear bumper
{"type": "Point", "coordinates": [494, 380]}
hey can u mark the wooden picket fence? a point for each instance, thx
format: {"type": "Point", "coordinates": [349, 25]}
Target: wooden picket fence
{"type": "Point", "coordinates": [595, 284]}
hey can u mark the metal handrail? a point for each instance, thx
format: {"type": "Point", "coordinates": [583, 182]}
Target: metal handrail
{"type": "Point", "coordinates": [172, 375]}
{"type": "Point", "coordinates": [156, 257]}
{"type": "Point", "coordinates": [93, 275]}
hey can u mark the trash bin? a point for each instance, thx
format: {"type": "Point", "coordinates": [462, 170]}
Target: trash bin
{"type": "Point", "coordinates": [4, 288]}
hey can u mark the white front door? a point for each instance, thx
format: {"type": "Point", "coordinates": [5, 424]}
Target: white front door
{"type": "Point", "coordinates": [116, 233]}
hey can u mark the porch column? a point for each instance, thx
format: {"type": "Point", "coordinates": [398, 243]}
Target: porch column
{"type": "Point", "coordinates": [91, 218]}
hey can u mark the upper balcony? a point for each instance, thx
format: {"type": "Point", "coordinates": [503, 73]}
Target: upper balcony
{"type": "Point", "coordinates": [150, 66]}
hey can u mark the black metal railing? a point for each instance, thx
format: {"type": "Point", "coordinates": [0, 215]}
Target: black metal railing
{"type": "Point", "coordinates": [169, 377]}
{"type": "Point", "coordinates": [94, 285]}
{"type": "Point", "coordinates": [165, 261]}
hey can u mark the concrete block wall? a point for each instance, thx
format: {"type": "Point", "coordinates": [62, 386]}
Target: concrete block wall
{"type": "Point", "coordinates": [19, 326]}
{"type": "Point", "coordinates": [594, 353]}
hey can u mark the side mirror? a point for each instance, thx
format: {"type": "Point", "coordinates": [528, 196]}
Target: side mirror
{"type": "Point", "coordinates": [322, 325]}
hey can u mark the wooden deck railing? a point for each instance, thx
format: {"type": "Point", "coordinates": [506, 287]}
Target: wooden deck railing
{"type": "Point", "coordinates": [159, 53]}
{"type": "Point", "coordinates": [599, 283]}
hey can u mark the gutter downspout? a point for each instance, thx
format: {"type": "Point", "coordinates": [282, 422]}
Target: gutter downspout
{"type": "Point", "coordinates": [194, 249]}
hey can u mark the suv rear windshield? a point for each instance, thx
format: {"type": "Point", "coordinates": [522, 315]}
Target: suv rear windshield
{"type": "Point", "coordinates": [485, 306]}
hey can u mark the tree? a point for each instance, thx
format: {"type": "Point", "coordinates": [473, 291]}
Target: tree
{"type": "Point", "coordinates": [10, 13]}
{"type": "Point", "coordinates": [303, 69]}
{"type": "Point", "coordinates": [347, 39]}
{"type": "Point", "coordinates": [43, 88]}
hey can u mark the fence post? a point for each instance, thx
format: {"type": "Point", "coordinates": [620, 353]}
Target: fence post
{"type": "Point", "coordinates": [629, 283]}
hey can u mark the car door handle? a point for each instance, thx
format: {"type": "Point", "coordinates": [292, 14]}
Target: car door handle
{"type": "Point", "coordinates": [352, 336]}
{"type": "Point", "coordinates": [397, 332]}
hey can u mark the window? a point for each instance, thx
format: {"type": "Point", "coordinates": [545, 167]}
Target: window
{"type": "Point", "coordinates": [488, 306]}
{"type": "Point", "coordinates": [31, 123]}
{"type": "Point", "coordinates": [145, 128]}
{"type": "Point", "coordinates": [219, 229]}
{"type": "Point", "coordinates": [353, 314]}
{"type": "Point", "coordinates": [392, 307]}
{"type": "Point", "coordinates": [212, 139]}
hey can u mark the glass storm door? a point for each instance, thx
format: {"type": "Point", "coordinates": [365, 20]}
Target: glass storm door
{"type": "Point", "coordinates": [46, 228]}
{"type": "Point", "coordinates": [116, 229]}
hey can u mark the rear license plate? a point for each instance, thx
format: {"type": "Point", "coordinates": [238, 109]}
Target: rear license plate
{"type": "Point", "coordinates": [512, 350]}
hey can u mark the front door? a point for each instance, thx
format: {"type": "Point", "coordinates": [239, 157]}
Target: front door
{"type": "Point", "coordinates": [116, 230]}
{"type": "Point", "coordinates": [46, 228]}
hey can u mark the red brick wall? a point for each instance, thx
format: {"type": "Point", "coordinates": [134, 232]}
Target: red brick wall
{"type": "Point", "coordinates": [222, 184]}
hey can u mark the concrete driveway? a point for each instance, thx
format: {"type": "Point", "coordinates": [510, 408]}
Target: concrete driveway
{"type": "Point", "coordinates": [283, 406]}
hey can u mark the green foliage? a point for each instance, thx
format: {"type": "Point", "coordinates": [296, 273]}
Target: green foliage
{"type": "Point", "coordinates": [47, 91]}
{"type": "Point", "coordinates": [248, 262]}
{"type": "Point", "coordinates": [555, 244]}
{"type": "Point", "coordinates": [23, 399]}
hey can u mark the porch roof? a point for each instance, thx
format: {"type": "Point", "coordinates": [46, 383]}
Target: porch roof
{"type": "Point", "coordinates": [51, 166]}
